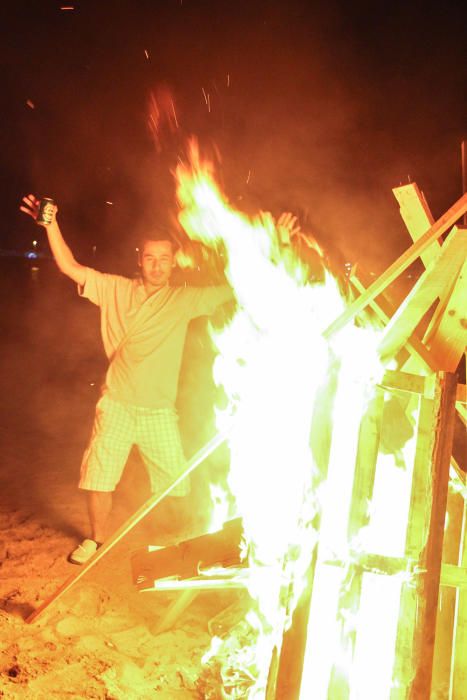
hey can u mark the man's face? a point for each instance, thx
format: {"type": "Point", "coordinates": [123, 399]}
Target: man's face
{"type": "Point", "coordinates": [156, 261]}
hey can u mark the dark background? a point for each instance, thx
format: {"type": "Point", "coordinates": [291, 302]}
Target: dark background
{"type": "Point", "coordinates": [315, 107]}
{"type": "Point", "coordinates": [318, 108]}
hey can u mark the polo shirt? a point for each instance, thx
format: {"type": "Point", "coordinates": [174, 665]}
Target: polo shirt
{"type": "Point", "coordinates": [144, 336]}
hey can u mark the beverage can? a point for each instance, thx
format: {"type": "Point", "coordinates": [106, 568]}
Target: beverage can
{"type": "Point", "coordinates": [46, 211]}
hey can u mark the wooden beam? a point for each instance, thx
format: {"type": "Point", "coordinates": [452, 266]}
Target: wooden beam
{"type": "Point", "coordinates": [398, 266]}
{"type": "Point", "coordinates": [362, 493]}
{"type": "Point", "coordinates": [461, 394]}
{"type": "Point", "coordinates": [427, 289]}
{"type": "Point", "coordinates": [459, 651]}
{"type": "Point", "coordinates": [417, 216]}
{"type": "Point", "coordinates": [452, 579]}
{"type": "Point", "coordinates": [416, 539]}
{"type": "Point", "coordinates": [428, 583]}
{"type": "Point", "coordinates": [403, 381]}
{"type": "Point", "coordinates": [454, 576]}
{"type": "Point", "coordinates": [440, 310]}
{"type": "Point", "coordinates": [414, 345]}
{"type": "Point", "coordinates": [449, 341]}
{"type": "Point", "coordinates": [128, 525]}
{"type": "Point", "coordinates": [176, 608]}
{"type": "Point", "coordinates": [420, 357]}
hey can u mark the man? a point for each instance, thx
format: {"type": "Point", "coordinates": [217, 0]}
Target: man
{"type": "Point", "coordinates": [143, 325]}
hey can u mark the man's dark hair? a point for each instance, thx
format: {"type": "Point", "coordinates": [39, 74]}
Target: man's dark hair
{"type": "Point", "coordinates": [159, 234]}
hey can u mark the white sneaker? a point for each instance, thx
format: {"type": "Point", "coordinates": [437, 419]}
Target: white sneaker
{"type": "Point", "coordinates": [83, 552]}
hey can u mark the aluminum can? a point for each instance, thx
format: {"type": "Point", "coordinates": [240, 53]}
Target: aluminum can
{"type": "Point", "coordinates": [46, 211]}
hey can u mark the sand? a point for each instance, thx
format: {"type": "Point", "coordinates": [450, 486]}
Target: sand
{"type": "Point", "coordinates": [98, 640]}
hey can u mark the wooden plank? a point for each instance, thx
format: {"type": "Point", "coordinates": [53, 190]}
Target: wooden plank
{"type": "Point", "coordinates": [428, 287]}
{"type": "Point", "coordinates": [362, 492]}
{"type": "Point", "coordinates": [128, 525]}
{"type": "Point", "coordinates": [454, 576]}
{"type": "Point", "coordinates": [440, 309]}
{"type": "Point", "coordinates": [398, 266]}
{"type": "Point", "coordinates": [417, 216]}
{"type": "Point", "coordinates": [449, 341]}
{"type": "Point", "coordinates": [403, 381]}
{"type": "Point", "coordinates": [285, 677]}
{"type": "Point", "coordinates": [176, 608]}
{"type": "Point", "coordinates": [365, 467]}
{"type": "Point", "coordinates": [416, 384]}
{"type": "Point", "coordinates": [420, 356]}
{"type": "Point", "coordinates": [451, 575]}
{"type": "Point", "coordinates": [421, 359]}
{"type": "Point", "coordinates": [417, 528]}
{"type": "Point", "coordinates": [459, 666]}
{"type": "Point", "coordinates": [428, 582]}
{"type": "Point", "coordinates": [414, 345]}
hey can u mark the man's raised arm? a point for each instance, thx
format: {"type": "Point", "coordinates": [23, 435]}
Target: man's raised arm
{"type": "Point", "coordinates": [62, 254]}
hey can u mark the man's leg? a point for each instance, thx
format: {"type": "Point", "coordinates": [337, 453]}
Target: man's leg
{"type": "Point", "coordinates": [99, 506]}
{"type": "Point", "coordinates": [101, 469]}
{"type": "Point", "coordinates": [159, 443]}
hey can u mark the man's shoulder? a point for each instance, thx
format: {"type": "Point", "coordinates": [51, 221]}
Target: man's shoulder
{"type": "Point", "coordinates": [111, 277]}
{"type": "Point", "coordinates": [100, 287]}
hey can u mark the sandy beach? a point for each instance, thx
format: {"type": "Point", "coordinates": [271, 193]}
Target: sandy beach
{"type": "Point", "coordinates": [98, 640]}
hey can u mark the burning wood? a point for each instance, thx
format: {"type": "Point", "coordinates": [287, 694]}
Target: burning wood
{"type": "Point", "coordinates": [189, 558]}
{"type": "Point", "coordinates": [314, 512]}
{"type": "Point", "coordinates": [273, 362]}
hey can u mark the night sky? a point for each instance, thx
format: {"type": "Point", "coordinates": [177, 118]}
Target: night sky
{"type": "Point", "coordinates": [318, 108]}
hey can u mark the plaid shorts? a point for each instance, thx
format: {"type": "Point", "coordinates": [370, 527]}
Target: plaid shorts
{"type": "Point", "coordinates": [116, 429]}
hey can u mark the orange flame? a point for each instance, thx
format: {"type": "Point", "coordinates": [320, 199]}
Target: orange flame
{"type": "Point", "coordinates": [274, 364]}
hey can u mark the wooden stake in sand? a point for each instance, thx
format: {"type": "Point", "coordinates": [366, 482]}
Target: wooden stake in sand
{"type": "Point", "coordinates": [151, 503]}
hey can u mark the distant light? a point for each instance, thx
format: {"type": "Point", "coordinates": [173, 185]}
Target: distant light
{"type": "Point", "coordinates": [34, 243]}
{"type": "Point", "coordinates": [30, 104]}
{"type": "Point", "coordinates": [31, 254]}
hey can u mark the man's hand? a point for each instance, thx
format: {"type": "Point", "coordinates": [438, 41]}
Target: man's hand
{"type": "Point", "coordinates": [30, 206]}
{"type": "Point", "coordinates": [63, 256]}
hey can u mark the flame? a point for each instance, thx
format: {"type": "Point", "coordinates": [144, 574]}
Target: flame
{"type": "Point", "coordinates": [277, 371]}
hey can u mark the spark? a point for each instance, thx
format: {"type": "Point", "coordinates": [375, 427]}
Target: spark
{"type": "Point", "coordinates": [205, 96]}
{"type": "Point", "coordinates": [67, 7]}
{"type": "Point", "coordinates": [107, 202]}
{"type": "Point", "coordinates": [209, 102]}
{"type": "Point", "coordinates": [228, 79]}
{"type": "Point", "coordinates": [173, 110]}
{"type": "Point", "coordinates": [146, 53]}
{"type": "Point", "coordinates": [248, 178]}
{"type": "Point", "coordinates": [30, 104]}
